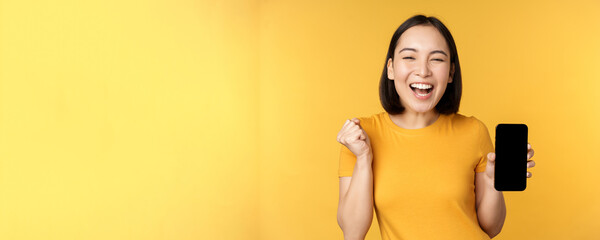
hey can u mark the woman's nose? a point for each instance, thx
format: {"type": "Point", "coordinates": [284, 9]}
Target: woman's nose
{"type": "Point", "coordinates": [423, 69]}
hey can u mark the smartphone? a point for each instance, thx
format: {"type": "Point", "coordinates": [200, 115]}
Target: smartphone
{"type": "Point", "coordinates": [511, 157]}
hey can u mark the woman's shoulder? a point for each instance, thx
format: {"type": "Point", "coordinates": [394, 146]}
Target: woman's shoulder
{"type": "Point", "coordinates": [460, 120]}
{"type": "Point", "coordinates": [372, 117]}
{"type": "Point", "coordinates": [373, 120]}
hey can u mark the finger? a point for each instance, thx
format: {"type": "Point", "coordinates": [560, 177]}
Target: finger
{"type": "Point", "coordinates": [354, 123]}
{"type": "Point", "coordinates": [348, 128]}
{"type": "Point", "coordinates": [530, 154]}
{"type": "Point", "coordinates": [362, 136]}
{"type": "Point", "coordinates": [356, 120]}
{"type": "Point", "coordinates": [342, 130]}
{"type": "Point", "coordinates": [528, 146]}
{"type": "Point", "coordinates": [354, 136]}
{"type": "Point", "coordinates": [347, 124]}
{"type": "Point", "coordinates": [530, 164]}
{"type": "Point", "coordinates": [340, 138]}
{"type": "Point", "coordinates": [491, 156]}
{"type": "Point", "coordinates": [353, 129]}
{"type": "Point", "coordinates": [346, 136]}
{"type": "Point", "coordinates": [529, 174]}
{"type": "Point", "coordinates": [343, 136]}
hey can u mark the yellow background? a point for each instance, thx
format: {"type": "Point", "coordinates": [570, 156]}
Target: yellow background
{"type": "Point", "coordinates": [217, 119]}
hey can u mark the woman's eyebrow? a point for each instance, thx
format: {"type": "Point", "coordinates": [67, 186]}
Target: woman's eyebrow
{"type": "Point", "coordinates": [407, 49]}
{"type": "Point", "coordinates": [439, 51]}
{"type": "Point", "coordinates": [432, 52]}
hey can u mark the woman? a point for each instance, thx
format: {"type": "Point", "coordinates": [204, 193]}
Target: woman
{"type": "Point", "coordinates": [427, 170]}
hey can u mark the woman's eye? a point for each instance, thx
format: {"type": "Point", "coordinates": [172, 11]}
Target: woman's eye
{"type": "Point", "coordinates": [411, 58]}
{"type": "Point", "coordinates": [438, 59]}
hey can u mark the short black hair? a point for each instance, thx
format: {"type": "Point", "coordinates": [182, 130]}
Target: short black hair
{"type": "Point", "coordinates": [450, 101]}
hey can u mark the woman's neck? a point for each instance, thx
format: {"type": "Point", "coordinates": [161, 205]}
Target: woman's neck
{"type": "Point", "coordinates": [414, 120]}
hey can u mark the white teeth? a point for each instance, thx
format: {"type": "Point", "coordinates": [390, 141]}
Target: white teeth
{"type": "Point", "coordinates": [421, 86]}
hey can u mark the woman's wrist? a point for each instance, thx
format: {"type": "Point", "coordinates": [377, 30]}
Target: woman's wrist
{"type": "Point", "coordinates": [365, 158]}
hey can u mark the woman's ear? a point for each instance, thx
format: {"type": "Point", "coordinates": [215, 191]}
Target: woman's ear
{"type": "Point", "coordinates": [390, 69]}
{"type": "Point", "coordinates": [451, 73]}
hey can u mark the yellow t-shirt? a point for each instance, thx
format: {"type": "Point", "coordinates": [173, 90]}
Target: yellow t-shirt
{"type": "Point", "coordinates": [424, 179]}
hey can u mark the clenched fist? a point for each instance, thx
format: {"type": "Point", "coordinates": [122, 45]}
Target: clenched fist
{"type": "Point", "coordinates": [355, 138]}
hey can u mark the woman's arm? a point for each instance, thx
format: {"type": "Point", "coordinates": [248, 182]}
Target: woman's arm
{"type": "Point", "coordinates": [491, 209]}
{"type": "Point", "coordinates": [355, 208]}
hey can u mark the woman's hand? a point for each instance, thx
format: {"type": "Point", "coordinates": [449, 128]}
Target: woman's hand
{"type": "Point", "coordinates": [490, 168]}
{"type": "Point", "coordinates": [355, 138]}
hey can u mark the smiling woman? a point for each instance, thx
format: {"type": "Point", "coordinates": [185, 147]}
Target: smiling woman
{"type": "Point", "coordinates": [425, 168]}
{"type": "Point", "coordinates": [426, 57]}
{"type": "Point", "coordinates": [418, 51]}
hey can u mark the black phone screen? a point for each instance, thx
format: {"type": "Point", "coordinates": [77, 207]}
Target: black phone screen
{"type": "Point", "coordinates": [511, 157]}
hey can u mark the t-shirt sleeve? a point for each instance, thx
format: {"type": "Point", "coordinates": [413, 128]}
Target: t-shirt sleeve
{"type": "Point", "coordinates": [347, 161]}
{"type": "Point", "coordinates": [485, 146]}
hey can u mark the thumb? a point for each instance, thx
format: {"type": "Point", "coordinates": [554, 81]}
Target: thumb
{"type": "Point", "coordinates": [362, 136]}
{"type": "Point", "coordinates": [491, 157]}
{"type": "Point", "coordinates": [355, 120]}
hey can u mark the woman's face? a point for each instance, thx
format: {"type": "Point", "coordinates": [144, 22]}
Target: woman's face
{"type": "Point", "coordinates": [421, 68]}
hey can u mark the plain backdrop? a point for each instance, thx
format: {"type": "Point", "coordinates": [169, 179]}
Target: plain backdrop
{"type": "Point", "coordinates": [217, 119]}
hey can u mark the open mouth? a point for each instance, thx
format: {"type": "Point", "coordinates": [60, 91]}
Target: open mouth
{"type": "Point", "coordinates": [421, 89]}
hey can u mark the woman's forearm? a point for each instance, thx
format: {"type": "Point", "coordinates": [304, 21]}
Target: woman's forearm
{"type": "Point", "coordinates": [491, 211]}
{"type": "Point", "coordinates": [355, 214]}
